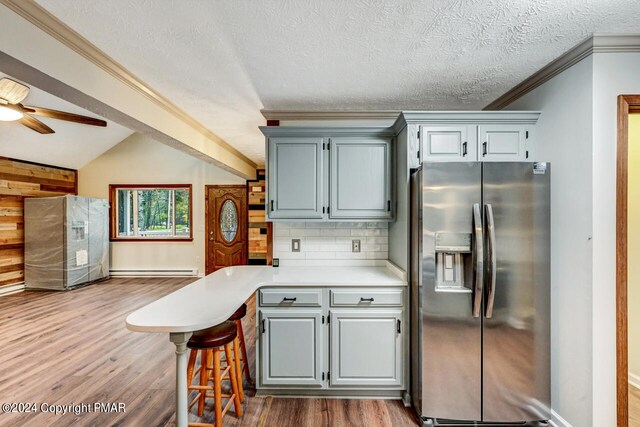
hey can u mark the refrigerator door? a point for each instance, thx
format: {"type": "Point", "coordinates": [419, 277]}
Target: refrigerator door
{"type": "Point", "coordinates": [450, 334]}
{"type": "Point", "coordinates": [516, 328]}
{"type": "Point", "coordinates": [77, 239]}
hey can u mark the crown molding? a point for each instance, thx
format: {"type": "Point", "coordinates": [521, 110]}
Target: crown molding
{"type": "Point", "coordinates": [45, 21]}
{"type": "Point", "coordinates": [327, 131]}
{"type": "Point", "coordinates": [330, 115]}
{"type": "Point", "coordinates": [598, 43]}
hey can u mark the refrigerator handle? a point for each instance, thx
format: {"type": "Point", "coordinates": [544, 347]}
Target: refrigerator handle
{"type": "Point", "coordinates": [479, 260]}
{"type": "Point", "coordinates": [491, 249]}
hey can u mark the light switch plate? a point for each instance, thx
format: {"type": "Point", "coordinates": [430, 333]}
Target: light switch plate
{"type": "Point", "coordinates": [295, 245]}
{"type": "Point", "coordinates": [355, 245]}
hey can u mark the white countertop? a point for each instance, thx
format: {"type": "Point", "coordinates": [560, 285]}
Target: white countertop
{"type": "Point", "coordinates": [212, 299]}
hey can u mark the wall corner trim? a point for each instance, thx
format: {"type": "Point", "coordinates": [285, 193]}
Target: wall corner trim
{"type": "Point", "coordinates": [597, 43]}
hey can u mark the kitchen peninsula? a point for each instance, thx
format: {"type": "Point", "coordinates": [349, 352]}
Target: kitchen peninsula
{"type": "Point", "coordinates": [360, 311]}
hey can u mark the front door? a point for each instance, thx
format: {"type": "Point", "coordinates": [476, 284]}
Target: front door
{"type": "Point", "coordinates": [226, 219]}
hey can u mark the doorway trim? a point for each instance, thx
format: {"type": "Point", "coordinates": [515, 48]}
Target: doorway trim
{"type": "Point", "coordinates": [626, 104]}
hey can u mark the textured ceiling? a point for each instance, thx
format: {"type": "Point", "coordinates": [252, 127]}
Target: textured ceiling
{"type": "Point", "coordinates": [72, 146]}
{"type": "Point", "coordinates": [222, 61]}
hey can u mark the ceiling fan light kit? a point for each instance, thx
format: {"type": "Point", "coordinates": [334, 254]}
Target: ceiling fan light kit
{"type": "Point", "coordinates": [9, 115]}
{"type": "Point", "coordinates": [13, 92]}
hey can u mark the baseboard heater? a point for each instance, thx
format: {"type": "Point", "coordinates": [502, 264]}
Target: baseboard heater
{"type": "Point", "coordinates": [184, 272]}
{"type": "Point", "coordinates": [11, 289]}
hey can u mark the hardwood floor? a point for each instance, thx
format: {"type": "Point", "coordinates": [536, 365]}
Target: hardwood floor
{"type": "Point", "coordinates": [634, 407]}
{"type": "Point", "coordinates": [64, 348]}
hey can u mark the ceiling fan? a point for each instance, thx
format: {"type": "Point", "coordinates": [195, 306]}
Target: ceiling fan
{"type": "Point", "coordinates": [12, 93]}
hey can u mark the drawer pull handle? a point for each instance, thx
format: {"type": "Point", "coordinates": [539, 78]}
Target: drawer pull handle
{"type": "Point", "coordinates": [289, 299]}
{"type": "Point", "coordinates": [366, 299]}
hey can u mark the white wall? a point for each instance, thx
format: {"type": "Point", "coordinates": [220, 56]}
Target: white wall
{"type": "Point", "coordinates": [614, 74]}
{"type": "Point", "coordinates": [141, 160]}
{"type": "Point", "coordinates": [633, 249]}
{"type": "Point", "coordinates": [564, 138]}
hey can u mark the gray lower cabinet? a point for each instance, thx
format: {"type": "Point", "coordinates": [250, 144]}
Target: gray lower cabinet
{"type": "Point", "coordinates": [360, 183]}
{"type": "Point", "coordinates": [366, 347]}
{"type": "Point", "coordinates": [349, 339]}
{"type": "Point", "coordinates": [291, 350]}
{"type": "Point", "coordinates": [295, 179]}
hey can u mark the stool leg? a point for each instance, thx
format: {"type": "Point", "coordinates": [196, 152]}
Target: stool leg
{"type": "Point", "coordinates": [235, 376]}
{"type": "Point", "coordinates": [204, 377]}
{"type": "Point", "coordinates": [245, 359]}
{"type": "Point", "coordinates": [236, 353]}
{"type": "Point", "coordinates": [191, 365]}
{"type": "Point", "coordinates": [217, 386]}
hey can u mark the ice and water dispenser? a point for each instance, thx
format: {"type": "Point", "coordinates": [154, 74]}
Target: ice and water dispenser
{"type": "Point", "coordinates": [453, 262]}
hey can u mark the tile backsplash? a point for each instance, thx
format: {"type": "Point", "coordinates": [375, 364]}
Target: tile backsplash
{"type": "Point", "coordinates": [329, 243]}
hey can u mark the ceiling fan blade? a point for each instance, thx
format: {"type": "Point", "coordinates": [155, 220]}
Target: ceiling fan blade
{"type": "Point", "coordinates": [12, 91]}
{"type": "Point", "coordinates": [35, 124]}
{"type": "Point", "coordinates": [62, 115]}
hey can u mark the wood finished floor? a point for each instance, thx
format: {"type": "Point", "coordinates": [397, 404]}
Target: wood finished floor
{"type": "Point", "coordinates": [73, 347]}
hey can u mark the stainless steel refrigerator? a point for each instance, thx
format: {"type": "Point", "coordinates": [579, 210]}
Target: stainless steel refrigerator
{"type": "Point", "coordinates": [66, 241]}
{"type": "Point", "coordinates": [480, 292]}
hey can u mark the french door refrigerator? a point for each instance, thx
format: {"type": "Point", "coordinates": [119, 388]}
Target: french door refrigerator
{"type": "Point", "coordinates": [480, 293]}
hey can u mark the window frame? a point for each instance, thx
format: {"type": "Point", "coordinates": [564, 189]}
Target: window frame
{"type": "Point", "coordinates": [113, 212]}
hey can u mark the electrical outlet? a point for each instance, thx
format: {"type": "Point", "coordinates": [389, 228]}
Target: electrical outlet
{"type": "Point", "coordinates": [355, 246]}
{"type": "Point", "coordinates": [295, 245]}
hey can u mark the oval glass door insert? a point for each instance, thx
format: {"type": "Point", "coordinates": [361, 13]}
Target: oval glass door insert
{"type": "Point", "coordinates": [229, 220]}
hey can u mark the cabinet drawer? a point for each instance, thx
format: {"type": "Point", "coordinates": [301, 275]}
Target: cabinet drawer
{"type": "Point", "coordinates": [291, 297]}
{"type": "Point", "coordinates": [366, 297]}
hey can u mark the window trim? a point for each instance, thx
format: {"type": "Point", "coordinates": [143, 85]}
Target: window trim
{"type": "Point", "coordinates": [113, 226]}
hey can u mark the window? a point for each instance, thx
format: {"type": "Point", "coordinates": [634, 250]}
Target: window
{"type": "Point", "coordinates": [151, 212]}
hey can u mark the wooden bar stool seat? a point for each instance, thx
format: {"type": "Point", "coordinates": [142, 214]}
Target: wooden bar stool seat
{"type": "Point", "coordinates": [244, 362]}
{"type": "Point", "coordinates": [210, 343]}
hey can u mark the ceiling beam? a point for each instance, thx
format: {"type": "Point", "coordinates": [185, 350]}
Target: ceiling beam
{"type": "Point", "coordinates": [34, 44]}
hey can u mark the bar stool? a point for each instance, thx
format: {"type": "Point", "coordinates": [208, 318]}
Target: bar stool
{"type": "Point", "coordinates": [210, 342]}
{"type": "Point", "coordinates": [237, 317]}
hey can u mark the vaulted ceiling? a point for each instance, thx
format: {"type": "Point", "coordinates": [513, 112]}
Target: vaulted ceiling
{"type": "Point", "coordinates": [72, 145]}
{"type": "Point", "coordinates": [223, 61]}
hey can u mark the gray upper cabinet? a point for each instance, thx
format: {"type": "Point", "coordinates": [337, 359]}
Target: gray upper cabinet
{"type": "Point", "coordinates": [366, 348]}
{"type": "Point", "coordinates": [329, 173]}
{"type": "Point", "coordinates": [458, 136]}
{"type": "Point", "coordinates": [360, 183]}
{"type": "Point", "coordinates": [295, 178]}
{"type": "Point", "coordinates": [506, 143]}
{"type": "Point", "coordinates": [448, 143]}
{"type": "Point", "coordinates": [291, 347]}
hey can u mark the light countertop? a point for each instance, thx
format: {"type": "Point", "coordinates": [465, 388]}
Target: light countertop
{"type": "Point", "coordinates": [212, 299]}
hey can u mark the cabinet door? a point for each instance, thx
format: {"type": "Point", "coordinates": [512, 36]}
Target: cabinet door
{"type": "Point", "coordinates": [291, 347]}
{"type": "Point", "coordinates": [360, 178]}
{"type": "Point", "coordinates": [366, 348]}
{"type": "Point", "coordinates": [295, 178]}
{"type": "Point", "coordinates": [447, 143]}
{"type": "Point", "coordinates": [506, 143]}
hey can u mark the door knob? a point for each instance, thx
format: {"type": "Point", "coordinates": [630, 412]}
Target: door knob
{"type": "Point", "coordinates": [210, 238]}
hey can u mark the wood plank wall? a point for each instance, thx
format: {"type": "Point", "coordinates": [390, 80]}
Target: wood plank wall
{"type": "Point", "coordinates": [18, 180]}
{"type": "Point", "coordinates": [260, 235]}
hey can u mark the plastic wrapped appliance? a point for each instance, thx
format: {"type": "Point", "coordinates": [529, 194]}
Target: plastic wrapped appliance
{"type": "Point", "coordinates": [66, 241]}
